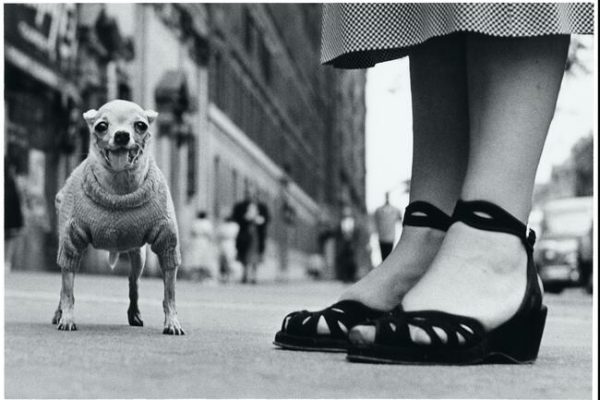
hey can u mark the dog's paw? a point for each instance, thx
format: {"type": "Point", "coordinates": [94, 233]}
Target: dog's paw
{"type": "Point", "coordinates": [66, 324]}
{"type": "Point", "coordinates": [56, 317]}
{"type": "Point", "coordinates": [173, 327]}
{"type": "Point", "coordinates": [134, 318]}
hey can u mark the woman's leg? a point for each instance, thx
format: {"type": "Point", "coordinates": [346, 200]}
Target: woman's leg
{"type": "Point", "coordinates": [9, 251]}
{"type": "Point", "coordinates": [440, 128]}
{"type": "Point", "coordinates": [513, 86]}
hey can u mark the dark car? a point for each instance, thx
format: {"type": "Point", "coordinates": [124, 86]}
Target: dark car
{"type": "Point", "coordinates": [564, 223]}
{"type": "Point", "coordinates": [585, 260]}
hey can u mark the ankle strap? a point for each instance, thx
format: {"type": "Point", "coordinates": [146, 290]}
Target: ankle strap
{"type": "Point", "coordinates": [422, 213]}
{"type": "Point", "coordinates": [487, 216]}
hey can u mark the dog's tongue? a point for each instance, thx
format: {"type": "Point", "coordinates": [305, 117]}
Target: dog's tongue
{"type": "Point", "coordinates": [119, 159]}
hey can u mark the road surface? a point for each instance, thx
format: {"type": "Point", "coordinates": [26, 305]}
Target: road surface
{"type": "Point", "coordinates": [227, 351]}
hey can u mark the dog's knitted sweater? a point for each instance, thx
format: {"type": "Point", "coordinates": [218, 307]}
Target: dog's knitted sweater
{"type": "Point", "coordinates": [88, 214]}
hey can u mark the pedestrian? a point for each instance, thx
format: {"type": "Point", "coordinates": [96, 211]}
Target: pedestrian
{"type": "Point", "coordinates": [13, 215]}
{"type": "Point", "coordinates": [461, 282]}
{"type": "Point", "coordinates": [264, 219]}
{"type": "Point", "coordinates": [226, 233]}
{"type": "Point", "coordinates": [252, 219]}
{"type": "Point", "coordinates": [202, 256]}
{"type": "Point", "coordinates": [347, 244]}
{"type": "Point", "coordinates": [386, 217]}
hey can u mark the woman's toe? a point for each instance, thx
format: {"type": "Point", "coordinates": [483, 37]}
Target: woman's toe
{"type": "Point", "coordinates": [362, 334]}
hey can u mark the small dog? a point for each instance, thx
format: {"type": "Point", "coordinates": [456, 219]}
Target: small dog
{"type": "Point", "coordinates": [118, 200]}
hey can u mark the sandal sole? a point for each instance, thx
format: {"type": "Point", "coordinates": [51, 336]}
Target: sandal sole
{"type": "Point", "coordinates": [474, 356]}
{"type": "Point", "coordinates": [286, 346]}
{"type": "Point", "coordinates": [290, 342]}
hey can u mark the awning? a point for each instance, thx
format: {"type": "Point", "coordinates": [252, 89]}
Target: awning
{"type": "Point", "coordinates": [171, 92]}
{"type": "Point", "coordinates": [40, 72]}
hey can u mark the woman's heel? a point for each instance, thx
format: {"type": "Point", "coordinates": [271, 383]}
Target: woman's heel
{"type": "Point", "coordinates": [518, 341]}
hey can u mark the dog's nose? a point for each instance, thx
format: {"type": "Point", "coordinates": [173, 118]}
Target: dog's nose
{"type": "Point", "coordinates": [121, 138]}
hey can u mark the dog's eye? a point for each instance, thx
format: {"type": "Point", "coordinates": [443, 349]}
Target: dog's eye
{"type": "Point", "coordinates": [140, 126]}
{"type": "Point", "coordinates": [101, 127]}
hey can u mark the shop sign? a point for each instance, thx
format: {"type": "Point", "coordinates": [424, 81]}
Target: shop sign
{"type": "Point", "coordinates": [45, 32]}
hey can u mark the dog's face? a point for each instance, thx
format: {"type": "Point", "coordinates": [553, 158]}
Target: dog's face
{"type": "Point", "coordinates": [120, 130]}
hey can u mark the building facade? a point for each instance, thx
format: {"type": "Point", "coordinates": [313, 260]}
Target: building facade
{"type": "Point", "coordinates": [40, 48]}
{"type": "Point", "coordinates": [244, 106]}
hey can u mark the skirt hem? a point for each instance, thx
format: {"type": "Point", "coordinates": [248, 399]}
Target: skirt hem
{"type": "Point", "coordinates": [367, 58]}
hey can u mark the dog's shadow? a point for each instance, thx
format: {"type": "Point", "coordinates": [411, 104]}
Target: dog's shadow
{"type": "Point", "coordinates": [88, 330]}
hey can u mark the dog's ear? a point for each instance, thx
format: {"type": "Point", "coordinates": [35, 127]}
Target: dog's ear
{"type": "Point", "coordinates": [90, 116]}
{"type": "Point", "coordinates": [150, 115]}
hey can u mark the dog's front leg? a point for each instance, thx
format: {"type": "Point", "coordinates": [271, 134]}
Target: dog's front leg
{"type": "Point", "coordinates": [172, 325]}
{"type": "Point", "coordinates": [137, 259]}
{"type": "Point", "coordinates": [67, 303]}
{"type": "Point", "coordinates": [57, 313]}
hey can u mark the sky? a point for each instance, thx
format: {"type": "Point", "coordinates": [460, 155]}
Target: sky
{"type": "Point", "coordinates": [389, 125]}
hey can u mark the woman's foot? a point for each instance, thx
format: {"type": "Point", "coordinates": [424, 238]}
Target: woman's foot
{"type": "Point", "coordinates": [385, 286]}
{"type": "Point", "coordinates": [380, 291]}
{"type": "Point", "coordinates": [476, 273]}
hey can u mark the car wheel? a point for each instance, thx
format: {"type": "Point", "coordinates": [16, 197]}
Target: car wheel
{"type": "Point", "coordinates": [553, 288]}
{"type": "Point", "coordinates": [589, 287]}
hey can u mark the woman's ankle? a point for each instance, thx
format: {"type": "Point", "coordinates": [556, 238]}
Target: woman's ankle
{"type": "Point", "coordinates": [385, 286]}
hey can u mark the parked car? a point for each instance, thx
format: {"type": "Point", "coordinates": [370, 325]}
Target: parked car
{"type": "Point", "coordinates": [585, 260]}
{"type": "Point", "coordinates": [564, 223]}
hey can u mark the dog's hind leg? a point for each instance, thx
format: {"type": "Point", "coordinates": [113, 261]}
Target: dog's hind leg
{"type": "Point", "coordinates": [137, 259]}
{"type": "Point", "coordinates": [66, 321]}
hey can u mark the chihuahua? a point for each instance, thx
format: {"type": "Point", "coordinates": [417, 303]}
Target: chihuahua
{"type": "Point", "coordinates": [118, 200]}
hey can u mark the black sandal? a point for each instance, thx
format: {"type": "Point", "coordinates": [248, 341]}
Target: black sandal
{"type": "Point", "coordinates": [467, 342]}
{"type": "Point", "coordinates": [299, 329]}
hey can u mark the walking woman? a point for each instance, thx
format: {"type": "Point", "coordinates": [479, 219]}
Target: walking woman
{"type": "Point", "coordinates": [461, 284]}
{"type": "Point", "coordinates": [252, 217]}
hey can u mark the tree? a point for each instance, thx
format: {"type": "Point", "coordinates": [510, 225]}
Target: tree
{"type": "Point", "coordinates": [578, 57]}
{"type": "Point", "coordinates": [582, 155]}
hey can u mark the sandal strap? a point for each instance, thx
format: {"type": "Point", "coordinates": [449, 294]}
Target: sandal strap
{"type": "Point", "coordinates": [481, 214]}
{"type": "Point", "coordinates": [339, 317]}
{"type": "Point", "coordinates": [422, 213]}
{"type": "Point", "coordinates": [349, 313]}
{"type": "Point", "coordinates": [393, 329]}
{"type": "Point", "coordinates": [469, 328]}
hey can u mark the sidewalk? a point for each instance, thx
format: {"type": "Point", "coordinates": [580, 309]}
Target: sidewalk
{"type": "Point", "coordinates": [227, 351]}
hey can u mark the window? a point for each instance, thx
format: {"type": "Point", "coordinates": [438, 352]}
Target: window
{"type": "Point", "coordinates": [246, 186]}
{"type": "Point", "coordinates": [249, 31]}
{"type": "Point", "coordinates": [234, 185]}
{"type": "Point", "coordinates": [217, 192]}
{"type": "Point", "coordinates": [265, 61]}
{"type": "Point", "coordinates": [124, 91]}
{"type": "Point", "coordinates": [192, 170]}
{"type": "Point", "coordinates": [217, 81]}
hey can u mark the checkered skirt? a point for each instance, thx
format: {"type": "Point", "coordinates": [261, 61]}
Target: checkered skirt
{"type": "Point", "coordinates": [359, 35]}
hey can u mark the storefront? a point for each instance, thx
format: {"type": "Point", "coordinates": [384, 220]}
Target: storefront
{"type": "Point", "coordinates": [40, 107]}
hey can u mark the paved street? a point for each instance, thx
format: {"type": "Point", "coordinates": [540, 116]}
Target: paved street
{"type": "Point", "coordinates": [227, 351]}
